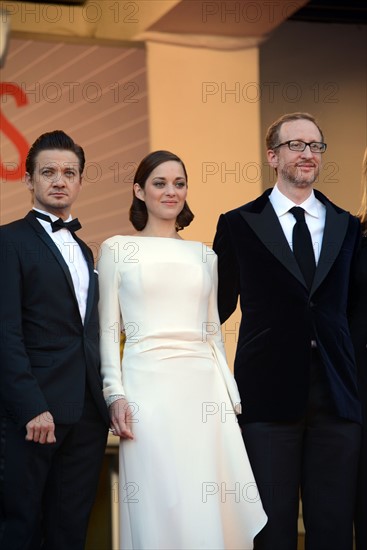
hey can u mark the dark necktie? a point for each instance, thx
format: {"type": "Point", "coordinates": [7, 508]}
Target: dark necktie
{"type": "Point", "coordinates": [72, 226]}
{"type": "Point", "coordinates": [302, 245]}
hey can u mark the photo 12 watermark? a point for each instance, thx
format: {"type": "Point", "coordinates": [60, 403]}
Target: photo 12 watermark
{"type": "Point", "coordinates": [236, 492]}
{"type": "Point", "coordinates": [91, 12]}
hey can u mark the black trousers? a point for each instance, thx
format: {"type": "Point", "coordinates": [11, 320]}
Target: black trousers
{"type": "Point", "coordinates": [47, 491]}
{"type": "Point", "coordinates": [315, 458]}
{"type": "Point", "coordinates": [360, 520]}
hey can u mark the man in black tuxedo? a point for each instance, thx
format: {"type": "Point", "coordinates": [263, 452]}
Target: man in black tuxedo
{"type": "Point", "coordinates": [54, 421]}
{"type": "Point", "coordinates": [294, 362]}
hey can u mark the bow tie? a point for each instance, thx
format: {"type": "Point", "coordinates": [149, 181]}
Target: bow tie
{"type": "Point", "coordinates": [72, 226]}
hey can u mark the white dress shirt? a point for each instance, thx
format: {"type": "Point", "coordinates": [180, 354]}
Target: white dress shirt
{"type": "Point", "coordinates": [74, 258]}
{"type": "Point", "coordinates": [315, 213]}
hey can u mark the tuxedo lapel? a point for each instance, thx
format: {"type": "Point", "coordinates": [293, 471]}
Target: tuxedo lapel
{"type": "Point", "coordinates": [336, 226]}
{"type": "Point", "coordinates": [42, 234]}
{"type": "Point", "coordinates": [265, 224]}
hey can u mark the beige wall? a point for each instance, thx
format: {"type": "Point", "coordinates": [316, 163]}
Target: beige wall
{"type": "Point", "coordinates": [321, 68]}
{"type": "Point", "coordinates": [191, 113]}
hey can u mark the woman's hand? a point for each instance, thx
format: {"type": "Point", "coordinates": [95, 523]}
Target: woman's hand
{"type": "Point", "coordinates": [121, 419]}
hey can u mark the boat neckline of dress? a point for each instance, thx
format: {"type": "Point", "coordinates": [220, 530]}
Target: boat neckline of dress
{"type": "Point", "coordinates": [162, 238]}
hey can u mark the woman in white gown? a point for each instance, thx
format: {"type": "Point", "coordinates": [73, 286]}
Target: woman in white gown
{"type": "Point", "coordinates": [185, 479]}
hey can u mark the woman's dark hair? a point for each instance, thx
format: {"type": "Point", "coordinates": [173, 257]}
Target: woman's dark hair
{"type": "Point", "coordinates": [53, 140]}
{"type": "Point", "coordinates": [138, 214]}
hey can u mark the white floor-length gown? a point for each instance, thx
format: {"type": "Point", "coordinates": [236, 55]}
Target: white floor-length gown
{"type": "Point", "coordinates": [185, 480]}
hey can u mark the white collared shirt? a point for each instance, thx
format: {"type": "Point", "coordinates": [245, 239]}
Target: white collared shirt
{"type": "Point", "coordinates": [74, 258]}
{"type": "Point", "coordinates": [315, 214]}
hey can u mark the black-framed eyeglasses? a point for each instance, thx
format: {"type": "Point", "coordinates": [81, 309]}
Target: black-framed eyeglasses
{"type": "Point", "coordinates": [299, 146]}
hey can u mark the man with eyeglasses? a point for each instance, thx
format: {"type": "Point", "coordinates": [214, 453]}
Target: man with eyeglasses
{"type": "Point", "coordinates": [288, 256]}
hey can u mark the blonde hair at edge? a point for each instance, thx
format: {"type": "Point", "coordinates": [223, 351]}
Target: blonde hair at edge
{"type": "Point", "coordinates": [362, 212]}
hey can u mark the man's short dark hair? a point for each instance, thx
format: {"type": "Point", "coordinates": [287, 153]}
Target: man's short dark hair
{"type": "Point", "coordinates": [53, 140]}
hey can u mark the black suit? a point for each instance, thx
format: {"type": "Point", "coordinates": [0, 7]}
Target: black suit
{"type": "Point", "coordinates": [281, 379]}
{"type": "Point", "coordinates": [49, 362]}
{"type": "Point", "coordinates": [358, 329]}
